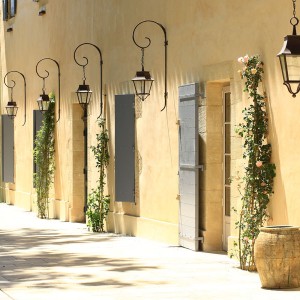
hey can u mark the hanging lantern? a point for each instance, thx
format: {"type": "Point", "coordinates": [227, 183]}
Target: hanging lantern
{"type": "Point", "coordinates": [43, 102]}
{"type": "Point", "coordinates": [84, 94]}
{"type": "Point", "coordinates": [289, 57]}
{"type": "Point", "coordinates": [142, 84]}
{"type": "Point", "coordinates": [143, 80]}
{"type": "Point", "coordinates": [11, 109]}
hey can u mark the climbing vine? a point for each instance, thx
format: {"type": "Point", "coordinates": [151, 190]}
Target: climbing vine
{"type": "Point", "coordinates": [98, 203]}
{"type": "Point", "coordinates": [259, 171]}
{"type": "Point", "coordinates": [43, 155]}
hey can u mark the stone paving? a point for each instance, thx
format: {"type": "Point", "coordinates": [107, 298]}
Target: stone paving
{"type": "Point", "coordinates": [49, 259]}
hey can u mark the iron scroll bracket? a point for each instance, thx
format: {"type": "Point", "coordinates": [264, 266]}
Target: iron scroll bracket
{"type": "Point", "coordinates": [148, 44]}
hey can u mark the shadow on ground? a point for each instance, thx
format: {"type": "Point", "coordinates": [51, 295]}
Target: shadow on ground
{"type": "Point", "coordinates": [49, 258]}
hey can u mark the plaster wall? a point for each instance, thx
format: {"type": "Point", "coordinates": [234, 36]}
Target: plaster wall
{"type": "Point", "coordinates": [205, 39]}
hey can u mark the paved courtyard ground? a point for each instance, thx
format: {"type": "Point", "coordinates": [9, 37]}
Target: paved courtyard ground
{"type": "Point", "coordinates": [49, 259]}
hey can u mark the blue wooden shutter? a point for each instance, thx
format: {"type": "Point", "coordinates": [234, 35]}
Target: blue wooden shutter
{"type": "Point", "coordinates": [124, 148]}
{"type": "Point", "coordinates": [189, 166]}
{"type": "Point", "coordinates": [7, 149]}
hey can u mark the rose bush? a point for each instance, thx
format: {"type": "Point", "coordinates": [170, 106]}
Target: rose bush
{"type": "Point", "coordinates": [256, 185]}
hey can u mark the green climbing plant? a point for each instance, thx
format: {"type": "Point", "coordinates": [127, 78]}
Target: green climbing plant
{"type": "Point", "coordinates": [43, 155]}
{"type": "Point", "coordinates": [257, 182]}
{"type": "Point", "coordinates": [98, 203]}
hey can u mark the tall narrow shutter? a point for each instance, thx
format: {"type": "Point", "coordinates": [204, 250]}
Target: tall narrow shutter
{"type": "Point", "coordinates": [124, 148]}
{"type": "Point", "coordinates": [188, 167]}
{"type": "Point", "coordinates": [7, 149]}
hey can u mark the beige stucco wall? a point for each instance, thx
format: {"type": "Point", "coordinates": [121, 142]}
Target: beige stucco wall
{"type": "Point", "coordinates": [205, 39]}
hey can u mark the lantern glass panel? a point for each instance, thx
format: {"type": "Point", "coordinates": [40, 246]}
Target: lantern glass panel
{"type": "Point", "coordinates": [84, 97]}
{"type": "Point", "coordinates": [293, 67]}
{"type": "Point", "coordinates": [143, 88]}
{"type": "Point", "coordinates": [43, 104]}
{"type": "Point", "coordinates": [11, 111]}
{"type": "Point", "coordinates": [283, 67]}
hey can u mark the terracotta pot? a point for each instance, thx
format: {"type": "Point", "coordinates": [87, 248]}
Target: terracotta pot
{"type": "Point", "coordinates": [277, 256]}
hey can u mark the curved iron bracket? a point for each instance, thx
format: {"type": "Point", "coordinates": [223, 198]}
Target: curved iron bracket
{"type": "Point", "coordinates": [86, 61]}
{"type": "Point", "coordinates": [148, 44]}
{"type": "Point", "coordinates": [11, 87]}
{"type": "Point", "coordinates": [47, 75]}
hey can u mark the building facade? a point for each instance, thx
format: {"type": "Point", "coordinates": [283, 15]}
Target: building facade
{"type": "Point", "coordinates": [175, 186]}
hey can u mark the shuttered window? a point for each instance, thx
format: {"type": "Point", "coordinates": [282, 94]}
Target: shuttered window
{"type": "Point", "coordinates": [124, 148]}
{"type": "Point", "coordinates": [7, 149]}
{"type": "Point", "coordinates": [189, 166]}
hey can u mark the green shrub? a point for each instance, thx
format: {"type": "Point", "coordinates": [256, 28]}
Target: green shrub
{"type": "Point", "coordinates": [98, 203]}
{"type": "Point", "coordinates": [43, 155]}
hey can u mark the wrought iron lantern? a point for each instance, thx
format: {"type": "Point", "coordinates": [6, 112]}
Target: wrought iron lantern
{"type": "Point", "coordinates": [43, 102]}
{"type": "Point", "coordinates": [143, 80]}
{"type": "Point", "coordinates": [289, 57]}
{"type": "Point", "coordinates": [44, 99]}
{"type": "Point", "coordinates": [84, 92]}
{"type": "Point", "coordinates": [11, 107]}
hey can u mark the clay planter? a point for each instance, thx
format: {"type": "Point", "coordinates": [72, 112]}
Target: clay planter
{"type": "Point", "coordinates": [277, 256]}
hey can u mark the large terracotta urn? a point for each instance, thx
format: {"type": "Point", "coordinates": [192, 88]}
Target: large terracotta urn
{"type": "Point", "coordinates": [277, 256]}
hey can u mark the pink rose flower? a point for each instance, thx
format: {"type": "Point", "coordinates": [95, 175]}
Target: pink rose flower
{"type": "Point", "coordinates": [246, 58]}
{"type": "Point", "coordinates": [259, 164]}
